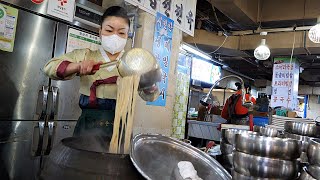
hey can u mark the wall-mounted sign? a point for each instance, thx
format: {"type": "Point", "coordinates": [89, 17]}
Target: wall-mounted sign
{"type": "Point", "coordinates": [37, 1]}
{"type": "Point", "coordinates": [63, 9]}
{"type": "Point", "coordinates": [162, 43]}
{"type": "Point", "coordinates": [8, 24]}
{"type": "Point", "coordinates": [183, 12]}
{"type": "Point", "coordinates": [80, 40]}
{"type": "Point", "coordinates": [285, 82]}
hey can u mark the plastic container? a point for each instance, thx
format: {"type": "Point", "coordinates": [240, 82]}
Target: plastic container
{"type": "Point", "coordinates": [260, 121]}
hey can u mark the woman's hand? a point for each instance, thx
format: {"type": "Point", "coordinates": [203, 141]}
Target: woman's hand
{"type": "Point", "coordinates": [85, 67]}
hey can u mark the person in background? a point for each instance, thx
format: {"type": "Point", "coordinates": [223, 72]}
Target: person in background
{"type": "Point", "coordinates": [233, 111]}
{"type": "Point", "coordinates": [98, 89]}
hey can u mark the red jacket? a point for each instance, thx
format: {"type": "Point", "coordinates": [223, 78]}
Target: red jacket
{"type": "Point", "coordinates": [239, 109]}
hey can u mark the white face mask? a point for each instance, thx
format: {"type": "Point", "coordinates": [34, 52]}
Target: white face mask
{"type": "Point", "coordinates": [113, 43]}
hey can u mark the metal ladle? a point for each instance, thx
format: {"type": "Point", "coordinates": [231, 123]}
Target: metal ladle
{"type": "Point", "coordinates": [141, 62]}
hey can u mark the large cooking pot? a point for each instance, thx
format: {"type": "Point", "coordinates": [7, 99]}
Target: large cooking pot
{"type": "Point", "coordinates": [84, 158]}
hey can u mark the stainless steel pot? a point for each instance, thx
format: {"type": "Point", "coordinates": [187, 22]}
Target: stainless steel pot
{"type": "Point", "coordinates": [272, 147]}
{"type": "Point", "coordinates": [266, 131]}
{"type": "Point", "coordinates": [226, 148]}
{"type": "Point", "coordinates": [314, 171]}
{"type": "Point", "coordinates": [238, 176]}
{"type": "Point", "coordinates": [314, 152]}
{"type": "Point", "coordinates": [303, 129]}
{"type": "Point", "coordinates": [303, 139]}
{"type": "Point", "coordinates": [250, 165]}
{"type": "Point", "coordinates": [306, 176]}
{"type": "Point", "coordinates": [84, 158]}
{"type": "Point", "coordinates": [228, 135]}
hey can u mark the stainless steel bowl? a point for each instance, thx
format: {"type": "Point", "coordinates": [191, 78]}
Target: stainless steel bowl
{"type": "Point", "coordinates": [238, 176]}
{"type": "Point", "coordinates": [314, 171]}
{"type": "Point", "coordinates": [228, 135]}
{"type": "Point", "coordinates": [303, 139]}
{"type": "Point", "coordinates": [300, 128]}
{"type": "Point", "coordinates": [272, 147]}
{"type": "Point", "coordinates": [226, 148]}
{"type": "Point", "coordinates": [256, 166]}
{"type": "Point", "coordinates": [314, 152]}
{"type": "Point", "coordinates": [266, 131]}
{"type": "Point", "coordinates": [306, 176]}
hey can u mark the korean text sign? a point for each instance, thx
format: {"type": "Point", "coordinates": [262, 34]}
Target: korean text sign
{"type": "Point", "coordinates": [162, 43]}
{"type": "Point", "coordinates": [285, 82]}
{"type": "Point", "coordinates": [183, 12]}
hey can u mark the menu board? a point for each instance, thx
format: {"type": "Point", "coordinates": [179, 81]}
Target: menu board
{"type": "Point", "coordinates": [205, 71]}
{"type": "Point", "coordinates": [183, 12]}
{"type": "Point", "coordinates": [162, 43]}
{"type": "Point", "coordinates": [285, 82]}
{"type": "Point", "coordinates": [81, 40]}
{"type": "Point", "coordinates": [8, 24]}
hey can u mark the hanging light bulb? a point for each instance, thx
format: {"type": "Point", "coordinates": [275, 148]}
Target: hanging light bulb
{"type": "Point", "coordinates": [314, 32]}
{"type": "Point", "coordinates": [262, 52]}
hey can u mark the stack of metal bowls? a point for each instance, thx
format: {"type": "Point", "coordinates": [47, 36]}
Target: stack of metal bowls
{"type": "Point", "coordinates": [302, 132]}
{"type": "Point", "coordinates": [266, 131]}
{"type": "Point", "coordinates": [312, 172]}
{"type": "Point", "coordinates": [259, 157]}
{"type": "Point", "coordinates": [227, 146]}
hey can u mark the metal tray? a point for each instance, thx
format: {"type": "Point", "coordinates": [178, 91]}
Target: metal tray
{"type": "Point", "coordinates": [156, 158]}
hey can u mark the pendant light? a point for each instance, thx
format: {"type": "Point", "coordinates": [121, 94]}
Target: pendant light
{"type": "Point", "coordinates": [314, 32]}
{"type": "Point", "coordinates": [262, 52]}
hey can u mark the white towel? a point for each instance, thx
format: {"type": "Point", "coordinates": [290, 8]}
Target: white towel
{"type": "Point", "coordinates": [187, 170]}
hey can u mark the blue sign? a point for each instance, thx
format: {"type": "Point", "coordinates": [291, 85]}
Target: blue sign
{"type": "Point", "coordinates": [162, 44]}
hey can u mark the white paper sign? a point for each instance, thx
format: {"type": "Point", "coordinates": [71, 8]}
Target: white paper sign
{"type": "Point", "coordinates": [81, 40]}
{"type": "Point", "coordinates": [63, 9]}
{"type": "Point", "coordinates": [183, 12]}
{"type": "Point", "coordinates": [285, 82]}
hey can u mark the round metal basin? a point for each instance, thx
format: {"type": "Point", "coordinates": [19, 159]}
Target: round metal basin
{"type": "Point", "coordinates": [156, 158]}
{"type": "Point", "coordinates": [256, 166]}
{"type": "Point", "coordinates": [272, 147]}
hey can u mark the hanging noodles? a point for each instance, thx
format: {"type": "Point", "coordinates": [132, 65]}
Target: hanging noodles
{"type": "Point", "coordinates": [126, 100]}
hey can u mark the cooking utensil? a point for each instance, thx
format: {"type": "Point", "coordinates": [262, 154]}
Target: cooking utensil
{"type": "Point", "coordinates": [84, 158]}
{"type": "Point", "coordinates": [306, 176]}
{"type": "Point", "coordinates": [156, 156]}
{"type": "Point", "coordinates": [314, 171]}
{"type": "Point", "coordinates": [228, 135]}
{"type": "Point", "coordinates": [250, 165]}
{"type": "Point", "coordinates": [272, 147]}
{"type": "Point", "coordinates": [314, 152]}
{"type": "Point", "coordinates": [104, 65]}
{"type": "Point", "coordinates": [300, 128]}
{"type": "Point", "coordinates": [226, 148]}
{"type": "Point", "coordinates": [266, 131]}
{"type": "Point", "coordinates": [304, 140]}
{"type": "Point", "coordinates": [238, 176]}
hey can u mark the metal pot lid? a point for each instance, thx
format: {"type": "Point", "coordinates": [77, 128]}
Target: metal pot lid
{"type": "Point", "coordinates": [156, 157]}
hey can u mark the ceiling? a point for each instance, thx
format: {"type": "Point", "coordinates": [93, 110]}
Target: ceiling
{"type": "Point", "coordinates": [240, 18]}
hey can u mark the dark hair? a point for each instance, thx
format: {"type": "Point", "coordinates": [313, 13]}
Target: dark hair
{"type": "Point", "coordinates": [239, 86]}
{"type": "Point", "coordinates": [116, 11]}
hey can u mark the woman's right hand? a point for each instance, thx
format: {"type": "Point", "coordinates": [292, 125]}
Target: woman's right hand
{"type": "Point", "coordinates": [85, 67]}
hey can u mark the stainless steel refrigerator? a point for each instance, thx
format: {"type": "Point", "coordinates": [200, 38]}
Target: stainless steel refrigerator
{"type": "Point", "coordinates": [35, 111]}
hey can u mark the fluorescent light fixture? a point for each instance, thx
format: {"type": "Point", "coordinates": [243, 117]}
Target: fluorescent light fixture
{"type": "Point", "coordinates": [262, 52]}
{"type": "Point", "coordinates": [196, 51]}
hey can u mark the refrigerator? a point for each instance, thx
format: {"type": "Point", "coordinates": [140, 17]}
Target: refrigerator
{"type": "Point", "coordinates": [35, 112]}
